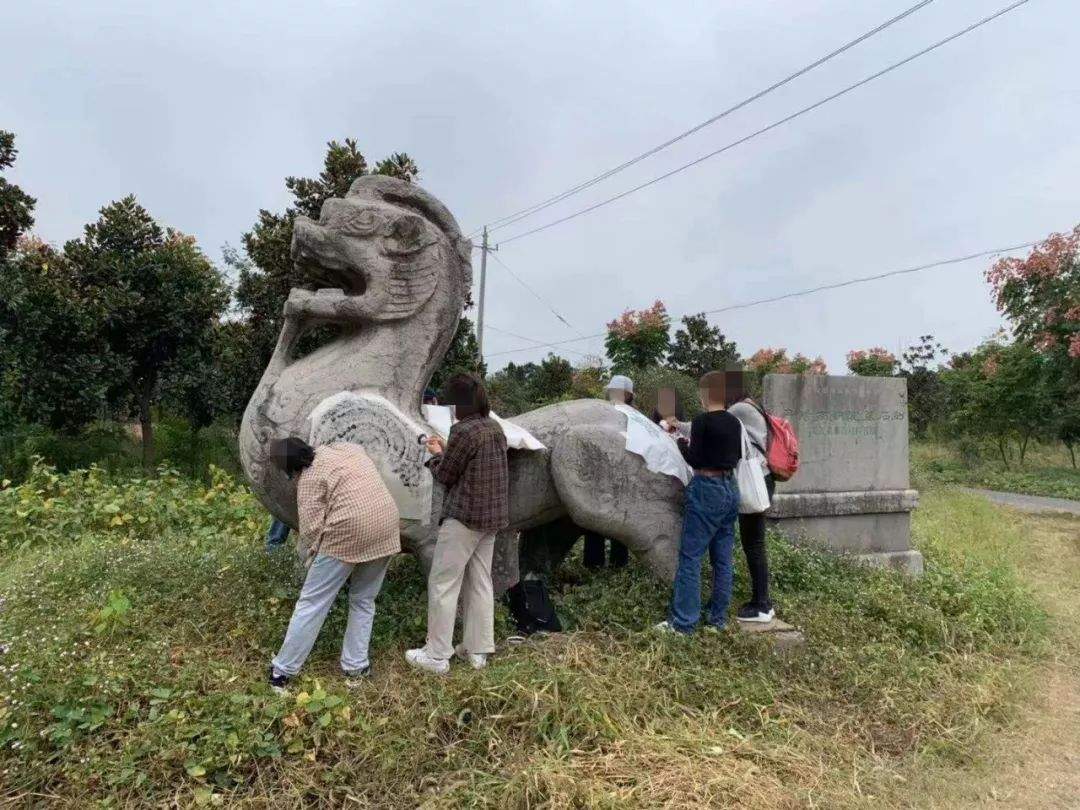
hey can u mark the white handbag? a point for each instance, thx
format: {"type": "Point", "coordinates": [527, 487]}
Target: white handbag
{"type": "Point", "coordinates": [753, 493]}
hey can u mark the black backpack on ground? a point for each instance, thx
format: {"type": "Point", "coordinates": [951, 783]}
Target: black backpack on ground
{"type": "Point", "coordinates": [532, 609]}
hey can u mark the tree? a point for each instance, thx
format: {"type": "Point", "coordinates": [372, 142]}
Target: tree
{"type": "Point", "coordinates": [200, 384]}
{"type": "Point", "coordinates": [1069, 426]}
{"type": "Point", "coordinates": [700, 348]}
{"type": "Point", "coordinates": [589, 378]}
{"type": "Point", "coordinates": [56, 366]}
{"type": "Point", "coordinates": [463, 356]}
{"type": "Point", "coordinates": [16, 206]}
{"type": "Point", "coordinates": [776, 361]}
{"type": "Point", "coordinates": [874, 362]}
{"type": "Point", "coordinates": [16, 216]}
{"type": "Point", "coordinates": [160, 295]}
{"type": "Point", "coordinates": [1040, 294]}
{"type": "Point", "coordinates": [510, 388]}
{"type": "Point", "coordinates": [553, 380]}
{"type": "Point", "coordinates": [266, 271]}
{"type": "Point", "coordinates": [519, 388]}
{"type": "Point", "coordinates": [926, 392]}
{"type": "Point", "coordinates": [638, 339]}
{"type": "Point", "coordinates": [1001, 392]}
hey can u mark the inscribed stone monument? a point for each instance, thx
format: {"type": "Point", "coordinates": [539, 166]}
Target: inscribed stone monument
{"type": "Point", "coordinates": [852, 492]}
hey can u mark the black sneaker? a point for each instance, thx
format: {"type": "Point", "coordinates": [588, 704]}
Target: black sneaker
{"type": "Point", "coordinates": [355, 677]}
{"type": "Point", "coordinates": [753, 612]}
{"type": "Point", "coordinates": [278, 681]}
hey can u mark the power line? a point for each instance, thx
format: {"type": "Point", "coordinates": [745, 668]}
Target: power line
{"type": "Point", "coordinates": [811, 290]}
{"type": "Point", "coordinates": [532, 209]}
{"type": "Point", "coordinates": [771, 126]}
{"type": "Point", "coordinates": [536, 343]}
{"type": "Point", "coordinates": [536, 295]}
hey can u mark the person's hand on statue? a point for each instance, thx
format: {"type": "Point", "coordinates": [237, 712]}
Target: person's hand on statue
{"type": "Point", "coordinates": [435, 445]}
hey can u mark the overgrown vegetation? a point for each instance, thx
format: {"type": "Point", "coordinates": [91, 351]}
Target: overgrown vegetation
{"type": "Point", "coordinates": [140, 614]}
{"type": "Point", "coordinates": [116, 448]}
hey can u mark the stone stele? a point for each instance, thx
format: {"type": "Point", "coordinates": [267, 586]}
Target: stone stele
{"type": "Point", "coordinates": [852, 492]}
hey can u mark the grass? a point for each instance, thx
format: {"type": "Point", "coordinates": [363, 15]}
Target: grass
{"type": "Point", "coordinates": [140, 614]}
{"type": "Point", "coordinates": [1046, 471]}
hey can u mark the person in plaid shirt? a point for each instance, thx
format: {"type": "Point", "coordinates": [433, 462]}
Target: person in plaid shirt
{"type": "Point", "coordinates": [472, 466]}
{"type": "Point", "coordinates": [349, 522]}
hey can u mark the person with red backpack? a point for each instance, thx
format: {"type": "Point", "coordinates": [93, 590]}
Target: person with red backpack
{"type": "Point", "coordinates": [774, 441]}
{"type": "Point", "coordinates": [752, 527]}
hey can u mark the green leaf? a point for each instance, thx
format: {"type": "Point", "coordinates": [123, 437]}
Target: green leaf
{"type": "Point", "coordinates": [195, 769]}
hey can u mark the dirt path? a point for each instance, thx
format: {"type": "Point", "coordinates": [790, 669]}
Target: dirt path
{"type": "Point", "coordinates": [1035, 763]}
{"type": "Point", "coordinates": [1029, 503]}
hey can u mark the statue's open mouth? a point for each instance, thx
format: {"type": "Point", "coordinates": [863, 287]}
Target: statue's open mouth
{"type": "Point", "coordinates": [323, 276]}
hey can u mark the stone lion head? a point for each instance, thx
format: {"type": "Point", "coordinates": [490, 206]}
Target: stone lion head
{"type": "Point", "coordinates": [380, 253]}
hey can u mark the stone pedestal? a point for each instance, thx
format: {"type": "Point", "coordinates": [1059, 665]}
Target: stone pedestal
{"type": "Point", "coordinates": [852, 492]}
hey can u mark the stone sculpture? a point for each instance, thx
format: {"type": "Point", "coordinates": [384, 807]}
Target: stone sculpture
{"type": "Point", "coordinates": [394, 270]}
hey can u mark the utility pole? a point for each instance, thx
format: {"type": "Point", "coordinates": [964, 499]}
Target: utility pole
{"type": "Point", "coordinates": [484, 248]}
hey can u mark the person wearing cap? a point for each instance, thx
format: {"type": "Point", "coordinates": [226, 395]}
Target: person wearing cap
{"type": "Point", "coordinates": [430, 397]}
{"type": "Point", "coordinates": [620, 390]}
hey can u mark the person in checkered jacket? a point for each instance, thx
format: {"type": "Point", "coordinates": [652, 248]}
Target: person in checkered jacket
{"type": "Point", "coordinates": [349, 524]}
{"type": "Point", "coordinates": [472, 466]}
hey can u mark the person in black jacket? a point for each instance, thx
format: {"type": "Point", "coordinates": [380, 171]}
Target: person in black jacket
{"type": "Point", "coordinates": [711, 507]}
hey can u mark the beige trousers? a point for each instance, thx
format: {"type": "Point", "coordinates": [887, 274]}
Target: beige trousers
{"type": "Point", "coordinates": [461, 565]}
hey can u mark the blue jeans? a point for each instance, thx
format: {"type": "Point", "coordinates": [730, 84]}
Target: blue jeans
{"type": "Point", "coordinates": [710, 511]}
{"type": "Point", "coordinates": [278, 534]}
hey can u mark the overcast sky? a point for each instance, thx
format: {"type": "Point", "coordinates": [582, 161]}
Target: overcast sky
{"type": "Point", "coordinates": [201, 110]}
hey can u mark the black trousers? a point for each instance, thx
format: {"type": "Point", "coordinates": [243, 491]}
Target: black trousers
{"type": "Point", "coordinates": [752, 534]}
{"type": "Point", "coordinates": [593, 555]}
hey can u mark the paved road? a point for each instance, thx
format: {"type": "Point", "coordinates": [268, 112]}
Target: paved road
{"type": "Point", "coordinates": [1029, 503]}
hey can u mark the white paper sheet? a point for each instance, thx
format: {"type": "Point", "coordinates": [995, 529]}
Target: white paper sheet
{"type": "Point", "coordinates": [661, 453]}
{"type": "Point", "coordinates": [517, 438]}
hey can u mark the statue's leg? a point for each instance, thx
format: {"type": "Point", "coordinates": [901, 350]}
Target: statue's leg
{"type": "Point", "coordinates": [607, 490]}
{"type": "Point", "coordinates": [504, 562]}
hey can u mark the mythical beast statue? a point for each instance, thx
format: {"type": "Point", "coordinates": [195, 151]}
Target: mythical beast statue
{"type": "Point", "coordinates": [394, 271]}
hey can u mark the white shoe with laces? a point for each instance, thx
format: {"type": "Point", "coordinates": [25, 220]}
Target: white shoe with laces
{"type": "Point", "coordinates": [476, 660]}
{"type": "Point", "coordinates": [420, 659]}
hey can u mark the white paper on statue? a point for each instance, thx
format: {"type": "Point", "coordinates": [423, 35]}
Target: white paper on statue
{"type": "Point", "coordinates": [645, 438]}
{"type": "Point", "coordinates": [389, 437]}
{"type": "Point", "coordinates": [517, 438]}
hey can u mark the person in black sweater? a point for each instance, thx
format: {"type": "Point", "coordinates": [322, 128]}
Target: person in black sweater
{"type": "Point", "coordinates": [711, 507]}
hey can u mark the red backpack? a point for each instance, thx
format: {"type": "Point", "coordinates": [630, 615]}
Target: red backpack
{"type": "Point", "coordinates": [782, 454]}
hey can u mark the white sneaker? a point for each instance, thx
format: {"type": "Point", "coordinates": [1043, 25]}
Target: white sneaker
{"type": "Point", "coordinates": [420, 659]}
{"type": "Point", "coordinates": [752, 613]}
{"type": "Point", "coordinates": [665, 627]}
{"type": "Point", "coordinates": [476, 660]}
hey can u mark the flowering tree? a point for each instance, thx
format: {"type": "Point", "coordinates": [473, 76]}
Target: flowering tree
{"type": "Point", "coordinates": [638, 339]}
{"type": "Point", "coordinates": [776, 361]}
{"type": "Point", "coordinates": [1040, 294]}
{"type": "Point", "coordinates": [874, 362]}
